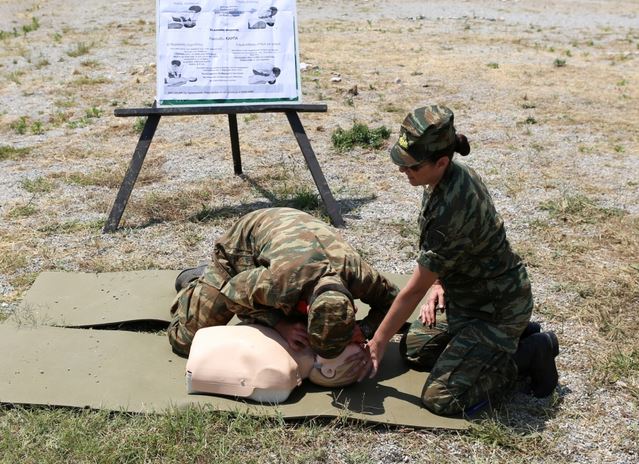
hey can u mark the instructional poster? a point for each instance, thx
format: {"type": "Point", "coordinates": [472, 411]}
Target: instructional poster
{"type": "Point", "coordinates": [217, 52]}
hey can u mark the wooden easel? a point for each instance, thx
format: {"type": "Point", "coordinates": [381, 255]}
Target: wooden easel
{"type": "Point", "coordinates": [154, 114]}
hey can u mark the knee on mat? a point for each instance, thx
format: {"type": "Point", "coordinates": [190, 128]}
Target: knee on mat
{"type": "Point", "coordinates": [422, 352]}
{"type": "Point", "coordinates": [180, 342]}
{"type": "Point", "coordinates": [438, 399]}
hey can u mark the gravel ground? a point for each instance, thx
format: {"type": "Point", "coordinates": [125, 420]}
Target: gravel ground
{"type": "Point", "coordinates": [545, 91]}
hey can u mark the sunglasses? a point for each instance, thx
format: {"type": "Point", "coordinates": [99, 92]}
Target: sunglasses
{"type": "Point", "coordinates": [417, 167]}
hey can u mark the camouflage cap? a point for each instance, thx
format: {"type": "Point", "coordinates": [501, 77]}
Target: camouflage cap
{"type": "Point", "coordinates": [331, 320]}
{"type": "Point", "coordinates": [426, 132]}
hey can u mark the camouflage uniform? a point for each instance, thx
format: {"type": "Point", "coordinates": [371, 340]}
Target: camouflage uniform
{"type": "Point", "coordinates": [488, 294]}
{"type": "Point", "coordinates": [267, 263]}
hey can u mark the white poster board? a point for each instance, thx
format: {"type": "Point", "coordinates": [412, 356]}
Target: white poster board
{"type": "Point", "coordinates": [227, 52]}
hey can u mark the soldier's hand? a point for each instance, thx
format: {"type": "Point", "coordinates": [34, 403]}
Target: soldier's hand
{"type": "Point", "coordinates": [294, 333]}
{"type": "Point", "coordinates": [360, 361]}
{"type": "Point", "coordinates": [435, 301]}
{"type": "Point", "coordinates": [375, 351]}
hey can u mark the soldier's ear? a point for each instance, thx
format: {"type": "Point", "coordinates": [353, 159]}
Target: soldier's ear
{"type": "Point", "coordinates": [442, 163]}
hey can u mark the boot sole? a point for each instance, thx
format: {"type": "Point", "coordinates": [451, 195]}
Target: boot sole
{"type": "Point", "coordinates": [187, 275]}
{"type": "Point", "coordinates": [546, 390]}
{"type": "Point", "coordinates": [554, 342]}
{"type": "Point", "coordinates": [531, 329]}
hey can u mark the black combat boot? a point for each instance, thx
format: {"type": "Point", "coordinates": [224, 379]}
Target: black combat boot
{"type": "Point", "coordinates": [188, 275]}
{"type": "Point", "coordinates": [535, 357]}
{"type": "Point", "coordinates": [531, 328]}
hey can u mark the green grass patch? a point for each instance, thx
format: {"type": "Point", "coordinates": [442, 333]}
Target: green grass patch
{"type": "Point", "coordinates": [41, 63]}
{"type": "Point", "coordinates": [37, 128]}
{"type": "Point", "coordinates": [287, 189]}
{"type": "Point", "coordinates": [22, 211]}
{"type": "Point", "coordinates": [12, 153]}
{"type": "Point", "coordinates": [96, 178]}
{"type": "Point", "coordinates": [59, 117]}
{"type": "Point", "coordinates": [495, 434]}
{"type": "Point", "coordinates": [34, 25]}
{"type": "Point", "coordinates": [89, 115]}
{"type": "Point", "coordinates": [207, 213]}
{"type": "Point", "coordinates": [191, 238]}
{"type": "Point", "coordinates": [78, 123]}
{"type": "Point", "coordinates": [37, 185]}
{"type": "Point", "coordinates": [93, 112]}
{"type": "Point", "coordinates": [90, 63]}
{"type": "Point", "coordinates": [620, 367]}
{"type": "Point", "coordinates": [180, 206]}
{"type": "Point", "coordinates": [11, 261]}
{"type": "Point", "coordinates": [192, 434]}
{"type": "Point", "coordinates": [24, 280]}
{"type": "Point", "coordinates": [81, 48]}
{"type": "Point", "coordinates": [71, 226]}
{"type": "Point", "coordinates": [138, 124]}
{"type": "Point", "coordinates": [15, 76]}
{"type": "Point", "coordinates": [65, 103]}
{"type": "Point", "coordinates": [87, 81]}
{"type": "Point", "coordinates": [359, 135]}
{"type": "Point", "coordinates": [301, 198]}
{"type": "Point", "coordinates": [578, 209]}
{"type": "Point", "coordinates": [20, 126]}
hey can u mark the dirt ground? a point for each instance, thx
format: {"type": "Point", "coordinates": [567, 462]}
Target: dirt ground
{"type": "Point", "coordinates": [546, 92]}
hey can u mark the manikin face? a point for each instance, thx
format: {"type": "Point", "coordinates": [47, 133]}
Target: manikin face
{"type": "Point", "coordinates": [427, 173]}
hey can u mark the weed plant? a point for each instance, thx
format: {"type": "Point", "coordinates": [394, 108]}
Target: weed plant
{"type": "Point", "coordinates": [80, 49]}
{"type": "Point", "coordinates": [12, 153]}
{"type": "Point", "coordinates": [21, 125]}
{"type": "Point", "coordinates": [37, 185]}
{"type": "Point", "coordinates": [138, 124]}
{"type": "Point", "coordinates": [34, 25]}
{"type": "Point", "coordinates": [359, 135]}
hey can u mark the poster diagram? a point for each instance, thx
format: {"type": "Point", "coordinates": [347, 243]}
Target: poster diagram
{"type": "Point", "coordinates": [217, 52]}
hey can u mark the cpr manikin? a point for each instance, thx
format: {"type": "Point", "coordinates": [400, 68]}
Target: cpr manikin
{"type": "Point", "coordinates": [255, 362]}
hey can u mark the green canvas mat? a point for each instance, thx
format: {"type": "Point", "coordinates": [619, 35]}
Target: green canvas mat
{"type": "Point", "coordinates": [134, 371]}
{"type": "Point", "coordinates": [137, 372]}
{"type": "Point", "coordinates": [77, 299]}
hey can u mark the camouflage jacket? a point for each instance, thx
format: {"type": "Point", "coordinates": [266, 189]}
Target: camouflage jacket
{"type": "Point", "coordinates": [273, 258]}
{"type": "Point", "coordinates": [463, 240]}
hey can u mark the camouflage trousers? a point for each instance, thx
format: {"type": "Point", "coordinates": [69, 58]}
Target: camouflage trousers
{"type": "Point", "coordinates": [465, 368]}
{"type": "Point", "coordinates": [197, 305]}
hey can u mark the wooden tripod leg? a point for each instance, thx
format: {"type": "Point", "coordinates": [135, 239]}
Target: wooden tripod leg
{"type": "Point", "coordinates": [132, 173]}
{"type": "Point", "coordinates": [235, 144]}
{"type": "Point", "coordinates": [316, 171]}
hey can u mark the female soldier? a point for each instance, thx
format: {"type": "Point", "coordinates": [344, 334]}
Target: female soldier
{"type": "Point", "coordinates": [487, 340]}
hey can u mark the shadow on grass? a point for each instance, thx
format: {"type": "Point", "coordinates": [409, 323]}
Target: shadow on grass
{"type": "Point", "coordinates": [305, 199]}
{"type": "Point", "coordinates": [518, 417]}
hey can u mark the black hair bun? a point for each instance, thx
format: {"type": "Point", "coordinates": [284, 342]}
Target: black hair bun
{"type": "Point", "coordinates": [461, 144]}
